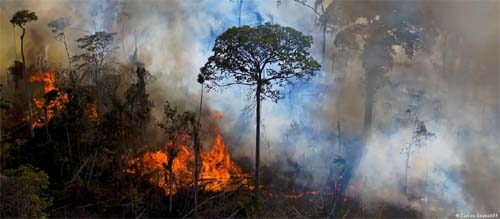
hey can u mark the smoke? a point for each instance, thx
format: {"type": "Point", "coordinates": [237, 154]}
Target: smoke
{"type": "Point", "coordinates": [458, 171]}
{"type": "Point", "coordinates": [454, 88]}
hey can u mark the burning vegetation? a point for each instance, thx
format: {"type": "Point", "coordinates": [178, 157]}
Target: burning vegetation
{"type": "Point", "coordinates": [357, 118]}
{"type": "Point", "coordinates": [52, 99]}
{"type": "Point", "coordinates": [217, 171]}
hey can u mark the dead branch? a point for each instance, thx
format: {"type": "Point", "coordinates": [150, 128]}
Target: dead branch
{"type": "Point", "coordinates": [78, 172]}
{"type": "Point", "coordinates": [234, 213]}
{"type": "Point", "coordinates": [199, 205]}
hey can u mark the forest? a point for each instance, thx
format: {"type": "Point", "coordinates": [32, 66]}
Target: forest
{"type": "Point", "coordinates": [249, 109]}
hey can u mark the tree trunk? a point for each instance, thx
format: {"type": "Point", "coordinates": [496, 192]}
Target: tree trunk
{"type": "Point", "coordinates": [170, 182]}
{"type": "Point", "coordinates": [196, 173]}
{"type": "Point", "coordinates": [67, 54]}
{"type": "Point", "coordinates": [28, 88]}
{"type": "Point", "coordinates": [197, 156]}
{"type": "Point", "coordinates": [257, 141]}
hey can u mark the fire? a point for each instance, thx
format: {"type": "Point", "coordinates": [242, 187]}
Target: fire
{"type": "Point", "coordinates": [151, 167]}
{"type": "Point", "coordinates": [217, 167]}
{"type": "Point", "coordinates": [48, 80]}
{"type": "Point", "coordinates": [217, 171]}
{"type": "Point", "coordinates": [93, 112]}
{"type": "Point", "coordinates": [218, 115]}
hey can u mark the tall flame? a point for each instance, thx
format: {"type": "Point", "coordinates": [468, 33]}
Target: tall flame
{"type": "Point", "coordinates": [217, 171]}
{"type": "Point", "coordinates": [48, 79]}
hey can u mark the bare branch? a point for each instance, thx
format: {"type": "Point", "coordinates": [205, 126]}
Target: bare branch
{"type": "Point", "coordinates": [303, 2]}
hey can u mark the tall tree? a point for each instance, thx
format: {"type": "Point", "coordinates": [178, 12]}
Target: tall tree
{"type": "Point", "coordinates": [95, 49]}
{"type": "Point", "coordinates": [420, 134]}
{"type": "Point", "coordinates": [265, 58]}
{"type": "Point", "coordinates": [58, 27]}
{"type": "Point", "coordinates": [321, 19]}
{"type": "Point", "coordinates": [20, 19]}
{"type": "Point", "coordinates": [197, 147]}
{"type": "Point", "coordinates": [138, 102]}
{"type": "Point", "coordinates": [375, 28]}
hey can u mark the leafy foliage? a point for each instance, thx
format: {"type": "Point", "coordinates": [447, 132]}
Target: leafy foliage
{"type": "Point", "coordinates": [96, 48]}
{"type": "Point", "coordinates": [137, 98]}
{"type": "Point", "coordinates": [386, 24]}
{"type": "Point", "coordinates": [176, 124]}
{"type": "Point", "coordinates": [268, 55]}
{"type": "Point", "coordinates": [20, 18]}
{"type": "Point", "coordinates": [24, 192]}
{"type": "Point", "coordinates": [16, 71]}
{"type": "Point", "coordinates": [421, 135]}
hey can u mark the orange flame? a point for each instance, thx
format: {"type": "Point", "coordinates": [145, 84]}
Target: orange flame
{"type": "Point", "coordinates": [217, 167]}
{"type": "Point", "coordinates": [93, 112]}
{"type": "Point", "coordinates": [217, 171]}
{"type": "Point", "coordinates": [48, 79]}
{"type": "Point", "coordinates": [218, 115]}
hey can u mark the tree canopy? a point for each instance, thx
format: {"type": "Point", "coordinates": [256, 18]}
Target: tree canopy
{"type": "Point", "coordinates": [96, 48]}
{"type": "Point", "coordinates": [383, 24]}
{"type": "Point", "coordinates": [20, 18]}
{"type": "Point", "coordinates": [268, 54]}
